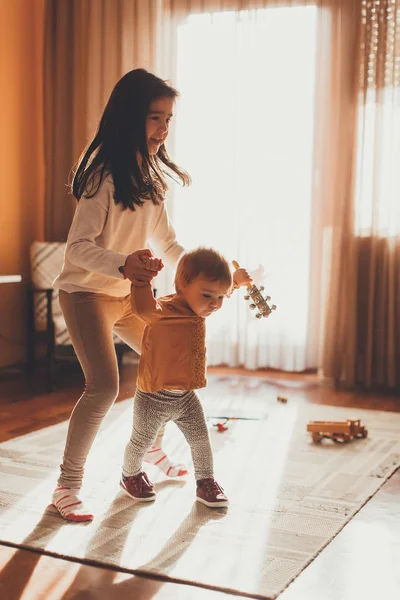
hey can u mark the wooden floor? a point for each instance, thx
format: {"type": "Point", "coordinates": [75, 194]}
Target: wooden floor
{"type": "Point", "coordinates": [361, 563]}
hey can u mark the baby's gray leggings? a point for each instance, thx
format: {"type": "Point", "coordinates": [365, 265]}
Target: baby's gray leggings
{"type": "Point", "coordinates": [151, 411]}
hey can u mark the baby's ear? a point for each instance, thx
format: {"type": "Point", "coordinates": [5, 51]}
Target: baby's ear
{"type": "Point", "coordinates": [183, 282]}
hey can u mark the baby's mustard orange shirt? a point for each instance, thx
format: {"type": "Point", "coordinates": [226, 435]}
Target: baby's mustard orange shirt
{"type": "Point", "coordinates": [173, 354]}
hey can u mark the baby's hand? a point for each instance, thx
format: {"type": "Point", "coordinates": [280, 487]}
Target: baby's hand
{"type": "Point", "coordinates": [152, 264]}
{"type": "Point", "coordinates": [241, 278]}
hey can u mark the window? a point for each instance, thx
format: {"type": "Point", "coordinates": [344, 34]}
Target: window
{"type": "Point", "coordinates": [245, 134]}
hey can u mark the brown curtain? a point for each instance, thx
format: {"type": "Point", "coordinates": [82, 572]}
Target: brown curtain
{"type": "Point", "coordinates": [362, 328]}
{"type": "Point", "coordinates": [89, 45]}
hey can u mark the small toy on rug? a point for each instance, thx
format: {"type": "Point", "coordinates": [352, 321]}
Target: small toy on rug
{"type": "Point", "coordinates": [338, 431]}
{"type": "Point", "coordinates": [221, 427]}
{"type": "Point", "coordinates": [282, 399]}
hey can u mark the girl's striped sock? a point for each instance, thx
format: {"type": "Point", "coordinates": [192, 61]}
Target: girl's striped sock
{"type": "Point", "coordinates": [70, 506]}
{"type": "Point", "coordinates": [157, 457]}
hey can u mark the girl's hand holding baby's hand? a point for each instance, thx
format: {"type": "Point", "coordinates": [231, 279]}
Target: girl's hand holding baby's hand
{"type": "Point", "coordinates": [241, 278]}
{"type": "Point", "coordinates": [152, 264]}
{"type": "Point", "coordinates": [136, 269]}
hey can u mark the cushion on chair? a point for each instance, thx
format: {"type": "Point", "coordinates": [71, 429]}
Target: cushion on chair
{"type": "Point", "coordinates": [47, 259]}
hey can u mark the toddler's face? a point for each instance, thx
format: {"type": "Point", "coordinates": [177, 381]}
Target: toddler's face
{"type": "Point", "coordinates": [204, 296]}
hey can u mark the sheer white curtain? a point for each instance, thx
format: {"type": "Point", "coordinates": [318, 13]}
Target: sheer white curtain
{"type": "Point", "coordinates": [245, 131]}
{"type": "Point", "coordinates": [378, 163]}
{"type": "Point", "coordinates": [377, 194]}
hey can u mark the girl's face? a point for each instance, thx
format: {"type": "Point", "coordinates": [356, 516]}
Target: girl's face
{"type": "Point", "coordinates": [204, 296]}
{"type": "Point", "coordinates": [157, 123]}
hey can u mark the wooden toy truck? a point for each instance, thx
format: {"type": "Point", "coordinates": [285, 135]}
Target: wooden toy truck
{"type": "Point", "coordinates": [338, 431]}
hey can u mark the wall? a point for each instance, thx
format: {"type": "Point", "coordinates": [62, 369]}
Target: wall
{"type": "Point", "coordinates": [21, 160]}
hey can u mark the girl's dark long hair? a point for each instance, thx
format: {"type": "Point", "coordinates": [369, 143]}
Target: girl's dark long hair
{"type": "Point", "coordinates": [120, 136]}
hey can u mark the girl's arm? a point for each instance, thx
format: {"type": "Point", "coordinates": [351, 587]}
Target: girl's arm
{"type": "Point", "coordinates": [87, 225]}
{"type": "Point", "coordinates": [164, 240]}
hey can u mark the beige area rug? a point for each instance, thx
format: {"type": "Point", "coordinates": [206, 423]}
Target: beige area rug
{"type": "Point", "coordinates": [289, 497]}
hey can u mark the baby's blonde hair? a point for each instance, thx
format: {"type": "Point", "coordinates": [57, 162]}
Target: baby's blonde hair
{"type": "Point", "coordinates": [202, 261]}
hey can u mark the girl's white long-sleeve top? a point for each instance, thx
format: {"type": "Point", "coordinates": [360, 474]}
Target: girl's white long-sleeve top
{"type": "Point", "coordinates": [101, 237]}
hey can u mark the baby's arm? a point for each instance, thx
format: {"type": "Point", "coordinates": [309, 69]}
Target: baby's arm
{"type": "Point", "coordinates": [144, 304]}
{"type": "Point", "coordinates": [241, 278]}
{"type": "Point", "coordinates": [142, 297]}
